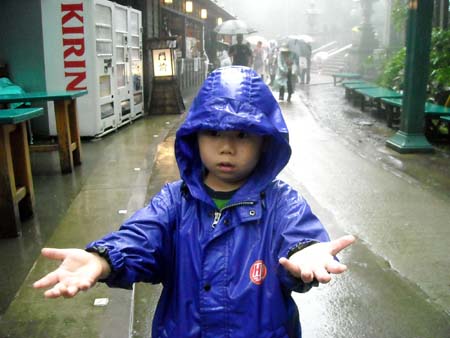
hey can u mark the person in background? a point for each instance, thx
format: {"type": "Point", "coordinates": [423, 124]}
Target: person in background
{"type": "Point", "coordinates": [228, 241]}
{"type": "Point", "coordinates": [258, 59]}
{"type": "Point", "coordinates": [272, 61]}
{"type": "Point", "coordinates": [286, 68]}
{"type": "Point", "coordinates": [225, 60]}
{"type": "Point", "coordinates": [240, 53]}
{"type": "Point", "coordinates": [304, 61]}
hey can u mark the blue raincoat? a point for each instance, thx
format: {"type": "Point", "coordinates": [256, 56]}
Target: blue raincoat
{"type": "Point", "coordinates": [219, 268]}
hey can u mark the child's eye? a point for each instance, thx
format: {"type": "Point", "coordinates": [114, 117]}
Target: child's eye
{"type": "Point", "coordinates": [242, 134]}
{"type": "Point", "coordinates": [213, 133]}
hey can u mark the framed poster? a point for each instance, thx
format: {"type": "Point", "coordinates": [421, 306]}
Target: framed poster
{"type": "Point", "coordinates": [162, 62]}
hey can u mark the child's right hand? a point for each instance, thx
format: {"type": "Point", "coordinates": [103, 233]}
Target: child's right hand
{"type": "Point", "coordinates": [79, 271]}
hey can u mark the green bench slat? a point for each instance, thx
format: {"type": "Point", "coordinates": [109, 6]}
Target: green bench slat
{"type": "Point", "coordinates": [345, 76]}
{"type": "Point", "coordinates": [393, 101]}
{"type": "Point", "coordinates": [430, 108]}
{"type": "Point", "coordinates": [378, 92]}
{"type": "Point", "coordinates": [353, 81]}
{"type": "Point", "coordinates": [435, 109]}
{"type": "Point", "coordinates": [15, 116]}
{"type": "Point", "coordinates": [358, 85]}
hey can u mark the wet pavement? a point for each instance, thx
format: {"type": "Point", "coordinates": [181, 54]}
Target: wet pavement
{"type": "Point", "coordinates": [396, 204]}
{"type": "Point", "coordinates": [71, 210]}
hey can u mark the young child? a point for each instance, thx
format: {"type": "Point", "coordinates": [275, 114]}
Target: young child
{"type": "Point", "coordinates": [229, 242]}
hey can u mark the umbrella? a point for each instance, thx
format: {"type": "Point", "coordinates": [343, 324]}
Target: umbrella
{"type": "Point", "coordinates": [253, 40]}
{"type": "Point", "coordinates": [302, 37]}
{"type": "Point", "coordinates": [298, 44]}
{"type": "Point", "coordinates": [273, 43]}
{"type": "Point", "coordinates": [233, 27]}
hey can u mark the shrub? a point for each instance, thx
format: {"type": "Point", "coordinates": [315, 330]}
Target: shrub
{"type": "Point", "coordinates": [393, 71]}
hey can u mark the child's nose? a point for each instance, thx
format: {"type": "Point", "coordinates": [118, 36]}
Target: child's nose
{"type": "Point", "coordinates": [227, 145]}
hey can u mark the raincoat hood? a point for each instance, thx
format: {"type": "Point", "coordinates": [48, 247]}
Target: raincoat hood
{"type": "Point", "coordinates": [233, 98]}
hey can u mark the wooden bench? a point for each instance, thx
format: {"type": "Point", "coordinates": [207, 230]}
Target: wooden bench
{"type": "Point", "coordinates": [69, 144]}
{"type": "Point", "coordinates": [350, 86]}
{"type": "Point", "coordinates": [344, 76]}
{"type": "Point", "coordinates": [375, 94]}
{"type": "Point", "coordinates": [16, 183]}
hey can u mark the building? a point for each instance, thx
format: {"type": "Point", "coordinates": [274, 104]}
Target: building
{"type": "Point", "coordinates": [191, 24]}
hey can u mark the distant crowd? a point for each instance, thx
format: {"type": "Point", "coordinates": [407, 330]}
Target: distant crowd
{"type": "Point", "coordinates": [277, 65]}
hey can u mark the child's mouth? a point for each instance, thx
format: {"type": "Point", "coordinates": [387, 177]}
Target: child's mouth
{"type": "Point", "coordinates": [227, 167]}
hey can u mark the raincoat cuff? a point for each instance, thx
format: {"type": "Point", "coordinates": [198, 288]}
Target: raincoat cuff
{"type": "Point", "coordinates": [300, 246]}
{"type": "Point", "coordinates": [115, 260]}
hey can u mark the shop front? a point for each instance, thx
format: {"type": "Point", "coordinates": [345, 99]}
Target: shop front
{"type": "Point", "coordinates": [192, 24]}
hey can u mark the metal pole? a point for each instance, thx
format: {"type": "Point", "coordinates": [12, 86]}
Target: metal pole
{"type": "Point", "coordinates": [410, 138]}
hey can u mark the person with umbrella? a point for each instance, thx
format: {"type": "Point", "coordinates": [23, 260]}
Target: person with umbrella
{"type": "Point", "coordinates": [286, 67]}
{"type": "Point", "coordinates": [240, 53]}
{"type": "Point", "coordinates": [301, 45]}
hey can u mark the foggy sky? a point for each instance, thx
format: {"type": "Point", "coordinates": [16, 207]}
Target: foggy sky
{"type": "Point", "coordinates": [275, 18]}
{"type": "Point", "coordinates": [270, 18]}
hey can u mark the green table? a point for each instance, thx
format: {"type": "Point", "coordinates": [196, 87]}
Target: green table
{"type": "Point", "coordinates": [69, 144]}
{"type": "Point", "coordinates": [16, 181]}
{"type": "Point", "coordinates": [343, 76]}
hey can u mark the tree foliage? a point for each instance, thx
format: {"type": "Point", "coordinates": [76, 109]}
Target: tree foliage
{"type": "Point", "coordinates": [393, 71]}
{"type": "Point", "coordinates": [399, 13]}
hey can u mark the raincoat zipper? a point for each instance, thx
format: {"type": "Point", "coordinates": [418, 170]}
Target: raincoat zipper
{"type": "Point", "coordinates": [218, 213]}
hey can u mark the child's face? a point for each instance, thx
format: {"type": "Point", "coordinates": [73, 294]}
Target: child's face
{"type": "Point", "coordinates": [229, 156]}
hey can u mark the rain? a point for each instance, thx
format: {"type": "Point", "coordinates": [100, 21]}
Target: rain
{"type": "Point", "coordinates": [363, 87]}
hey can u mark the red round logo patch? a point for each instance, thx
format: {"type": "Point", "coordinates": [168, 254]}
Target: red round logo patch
{"type": "Point", "coordinates": [258, 271]}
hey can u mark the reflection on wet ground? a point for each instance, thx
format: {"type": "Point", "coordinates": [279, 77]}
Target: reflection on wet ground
{"type": "Point", "coordinates": [367, 131]}
{"type": "Point", "coordinates": [55, 193]}
{"type": "Point", "coordinates": [396, 285]}
{"type": "Point", "coordinates": [370, 300]}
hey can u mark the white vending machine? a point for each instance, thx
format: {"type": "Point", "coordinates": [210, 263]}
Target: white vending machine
{"type": "Point", "coordinates": [88, 45]}
{"type": "Point", "coordinates": [128, 54]}
{"type": "Point", "coordinates": [135, 48]}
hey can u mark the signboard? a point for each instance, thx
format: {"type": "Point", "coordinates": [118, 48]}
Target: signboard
{"type": "Point", "coordinates": [162, 62]}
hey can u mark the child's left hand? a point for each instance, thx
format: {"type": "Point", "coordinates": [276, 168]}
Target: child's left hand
{"type": "Point", "coordinates": [317, 261]}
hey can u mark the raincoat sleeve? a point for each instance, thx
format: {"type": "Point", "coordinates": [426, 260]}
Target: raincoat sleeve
{"type": "Point", "coordinates": [298, 228]}
{"type": "Point", "coordinates": [140, 251]}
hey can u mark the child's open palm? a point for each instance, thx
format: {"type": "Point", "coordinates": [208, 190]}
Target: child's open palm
{"type": "Point", "coordinates": [317, 261]}
{"type": "Point", "coordinates": [78, 271]}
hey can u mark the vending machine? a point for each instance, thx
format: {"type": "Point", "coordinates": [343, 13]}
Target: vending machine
{"type": "Point", "coordinates": [128, 55]}
{"type": "Point", "coordinates": [135, 48]}
{"type": "Point", "coordinates": [95, 45]}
